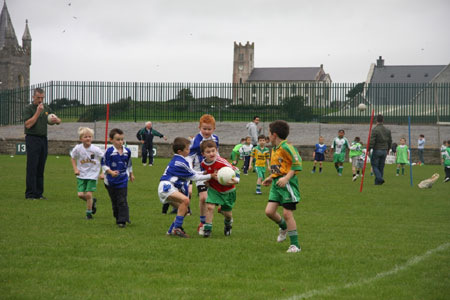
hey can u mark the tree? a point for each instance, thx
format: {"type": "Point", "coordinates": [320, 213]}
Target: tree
{"type": "Point", "coordinates": [296, 109]}
{"type": "Point", "coordinates": [185, 94]}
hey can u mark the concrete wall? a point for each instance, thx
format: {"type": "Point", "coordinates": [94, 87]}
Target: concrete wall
{"type": "Point", "coordinates": [61, 147]}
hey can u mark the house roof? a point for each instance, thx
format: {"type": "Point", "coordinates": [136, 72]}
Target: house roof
{"type": "Point", "coordinates": [6, 27]}
{"type": "Point", "coordinates": [284, 74]}
{"type": "Point", "coordinates": [405, 74]}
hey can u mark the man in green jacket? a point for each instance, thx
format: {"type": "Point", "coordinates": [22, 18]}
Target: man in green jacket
{"type": "Point", "coordinates": [145, 135]}
{"type": "Point", "coordinates": [380, 142]}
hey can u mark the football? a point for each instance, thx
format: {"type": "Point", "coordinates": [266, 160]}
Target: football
{"type": "Point", "coordinates": [362, 107]}
{"type": "Point", "coordinates": [225, 174]}
{"type": "Point", "coordinates": [49, 119]}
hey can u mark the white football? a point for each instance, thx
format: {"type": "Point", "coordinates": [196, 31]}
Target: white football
{"type": "Point", "coordinates": [362, 107]}
{"type": "Point", "coordinates": [225, 174]}
{"type": "Point", "coordinates": [49, 119]}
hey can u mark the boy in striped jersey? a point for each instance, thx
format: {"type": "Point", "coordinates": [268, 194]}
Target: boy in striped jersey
{"type": "Point", "coordinates": [339, 147]}
{"type": "Point", "coordinates": [218, 194]}
{"type": "Point", "coordinates": [285, 162]}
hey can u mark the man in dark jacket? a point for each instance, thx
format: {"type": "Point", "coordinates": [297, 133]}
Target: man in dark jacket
{"type": "Point", "coordinates": [145, 135]}
{"type": "Point", "coordinates": [380, 142]}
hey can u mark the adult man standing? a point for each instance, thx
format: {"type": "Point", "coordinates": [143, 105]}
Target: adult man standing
{"type": "Point", "coordinates": [380, 142]}
{"type": "Point", "coordinates": [145, 135]}
{"type": "Point", "coordinates": [35, 115]}
{"type": "Point", "coordinates": [253, 130]}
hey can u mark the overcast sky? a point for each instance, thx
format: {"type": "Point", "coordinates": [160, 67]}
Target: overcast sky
{"type": "Point", "coordinates": [192, 41]}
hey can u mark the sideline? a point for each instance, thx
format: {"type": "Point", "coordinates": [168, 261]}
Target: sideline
{"type": "Point", "coordinates": [411, 262]}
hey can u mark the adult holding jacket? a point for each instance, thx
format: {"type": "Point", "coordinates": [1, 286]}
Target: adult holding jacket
{"type": "Point", "coordinates": [380, 142]}
{"type": "Point", "coordinates": [145, 135]}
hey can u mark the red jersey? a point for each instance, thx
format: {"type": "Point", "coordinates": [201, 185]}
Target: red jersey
{"type": "Point", "coordinates": [216, 165]}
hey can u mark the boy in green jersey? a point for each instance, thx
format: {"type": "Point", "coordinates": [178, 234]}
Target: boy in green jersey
{"type": "Point", "coordinates": [235, 152]}
{"type": "Point", "coordinates": [402, 156]}
{"type": "Point", "coordinates": [285, 162]}
{"type": "Point", "coordinates": [446, 157]}
{"type": "Point", "coordinates": [339, 147]}
{"type": "Point", "coordinates": [356, 155]}
{"type": "Point", "coordinates": [260, 155]}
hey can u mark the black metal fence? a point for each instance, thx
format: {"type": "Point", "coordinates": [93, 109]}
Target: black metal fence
{"type": "Point", "coordinates": [294, 102]}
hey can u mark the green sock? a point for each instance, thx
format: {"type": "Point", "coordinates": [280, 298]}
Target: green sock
{"type": "Point", "coordinates": [258, 187]}
{"type": "Point", "coordinates": [88, 212]}
{"type": "Point", "coordinates": [403, 171]}
{"type": "Point", "coordinates": [207, 226]}
{"type": "Point", "coordinates": [293, 236]}
{"type": "Point", "coordinates": [340, 170]}
{"type": "Point", "coordinates": [398, 171]}
{"type": "Point", "coordinates": [282, 224]}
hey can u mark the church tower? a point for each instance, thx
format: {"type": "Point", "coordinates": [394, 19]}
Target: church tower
{"type": "Point", "coordinates": [15, 60]}
{"type": "Point", "coordinates": [243, 61]}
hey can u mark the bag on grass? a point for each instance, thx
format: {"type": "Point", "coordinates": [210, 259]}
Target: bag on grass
{"type": "Point", "coordinates": [428, 183]}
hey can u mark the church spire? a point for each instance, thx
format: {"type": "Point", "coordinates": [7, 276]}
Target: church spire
{"type": "Point", "coordinates": [7, 33]}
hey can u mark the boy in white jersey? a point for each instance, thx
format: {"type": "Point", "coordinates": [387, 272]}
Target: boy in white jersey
{"type": "Point", "coordinates": [245, 151]}
{"type": "Point", "coordinates": [339, 148]}
{"type": "Point", "coordinates": [86, 165]}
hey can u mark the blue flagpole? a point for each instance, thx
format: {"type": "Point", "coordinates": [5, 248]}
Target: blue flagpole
{"type": "Point", "coordinates": [410, 161]}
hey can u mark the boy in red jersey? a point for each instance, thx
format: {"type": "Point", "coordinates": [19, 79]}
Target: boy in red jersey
{"type": "Point", "coordinates": [218, 194]}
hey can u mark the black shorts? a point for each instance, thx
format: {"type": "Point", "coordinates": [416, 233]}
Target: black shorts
{"type": "Point", "coordinates": [288, 206]}
{"type": "Point", "coordinates": [319, 157]}
{"type": "Point", "coordinates": [202, 188]}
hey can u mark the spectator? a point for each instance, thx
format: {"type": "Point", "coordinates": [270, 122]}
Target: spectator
{"type": "Point", "coordinates": [254, 131]}
{"type": "Point", "coordinates": [380, 142]}
{"type": "Point", "coordinates": [145, 135]}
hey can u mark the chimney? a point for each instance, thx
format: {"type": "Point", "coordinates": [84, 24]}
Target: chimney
{"type": "Point", "coordinates": [380, 62]}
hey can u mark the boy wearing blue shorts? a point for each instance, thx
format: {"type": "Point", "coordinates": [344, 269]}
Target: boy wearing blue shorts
{"type": "Point", "coordinates": [319, 154]}
{"type": "Point", "coordinates": [285, 162]}
{"type": "Point", "coordinates": [85, 159]}
{"type": "Point", "coordinates": [260, 155]}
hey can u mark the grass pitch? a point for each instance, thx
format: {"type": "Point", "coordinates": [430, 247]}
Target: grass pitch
{"type": "Point", "coordinates": [389, 242]}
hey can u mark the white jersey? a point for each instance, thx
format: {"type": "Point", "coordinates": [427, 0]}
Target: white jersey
{"type": "Point", "coordinates": [88, 161]}
{"type": "Point", "coordinates": [245, 150]}
{"type": "Point", "coordinates": [340, 145]}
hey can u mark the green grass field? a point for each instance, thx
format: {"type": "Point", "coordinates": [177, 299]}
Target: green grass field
{"type": "Point", "coordinates": [389, 242]}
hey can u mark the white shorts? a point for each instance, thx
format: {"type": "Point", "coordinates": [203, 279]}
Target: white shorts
{"type": "Point", "coordinates": [357, 162]}
{"type": "Point", "coordinates": [165, 189]}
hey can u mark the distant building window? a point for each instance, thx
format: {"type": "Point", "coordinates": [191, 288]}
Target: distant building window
{"type": "Point", "coordinates": [409, 75]}
{"type": "Point", "coordinates": [251, 57]}
{"type": "Point", "coordinates": [241, 56]}
{"type": "Point", "coordinates": [254, 88]}
{"type": "Point", "coordinates": [426, 74]}
{"type": "Point", "coordinates": [240, 80]}
{"type": "Point", "coordinates": [293, 89]}
{"type": "Point", "coordinates": [392, 75]}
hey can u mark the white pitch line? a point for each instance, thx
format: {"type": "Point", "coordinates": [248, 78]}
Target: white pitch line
{"type": "Point", "coordinates": [411, 262]}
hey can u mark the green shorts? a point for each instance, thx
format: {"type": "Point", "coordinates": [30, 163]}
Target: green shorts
{"type": "Point", "coordinates": [234, 156]}
{"type": "Point", "coordinates": [86, 185]}
{"type": "Point", "coordinates": [339, 158]}
{"type": "Point", "coordinates": [288, 194]}
{"type": "Point", "coordinates": [226, 200]}
{"type": "Point", "coordinates": [261, 171]}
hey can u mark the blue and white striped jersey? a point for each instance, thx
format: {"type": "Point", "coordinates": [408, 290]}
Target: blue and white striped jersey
{"type": "Point", "coordinates": [195, 154]}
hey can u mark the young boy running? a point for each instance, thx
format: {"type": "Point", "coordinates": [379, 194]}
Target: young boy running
{"type": "Point", "coordinates": [319, 154]}
{"type": "Point", "coordinates": [117, 167]}
{"type": "Point", "coordinates": [85, 159]}
{"type": "Point", "coordinates": [245, 152]}
{"type": "Point", "coordinates": [401, 156]}
{"type": "Point", "coordinates": [218, 194]}
{"type": "Point", "coordinates": [285, 162]}
{"type": "Point", "coordinates": [339, 148]}
{"type": "Point", "coordinates": [173, 186]}
{"type": "Point", "coordinates": [207, 126]}
{"type": "Point", "coordinates": [260, 154]}
{"type": "Point", "coordinates": [356, 155]}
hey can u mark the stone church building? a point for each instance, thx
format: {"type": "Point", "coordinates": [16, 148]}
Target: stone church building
{"type": "Point", "coordinates": [15, 60]}
{"type": "Point", "coordinates": [269, 86]}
